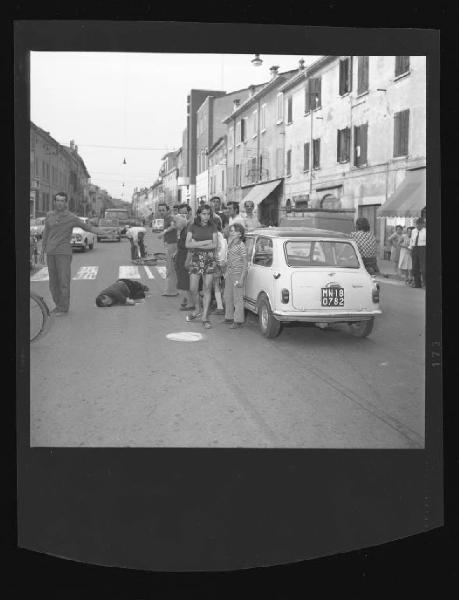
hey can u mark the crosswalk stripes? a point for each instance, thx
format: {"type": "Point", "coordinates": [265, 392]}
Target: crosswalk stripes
{"type": "Point", "coordinates": [86, 273]}
{"type": "Point", "coordinates": [91, 273]}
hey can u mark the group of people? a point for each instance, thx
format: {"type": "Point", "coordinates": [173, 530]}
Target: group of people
{"type": "Point", "coordinates": [408, 253]}
{"type": "Point", "coordinates": [205, 255]}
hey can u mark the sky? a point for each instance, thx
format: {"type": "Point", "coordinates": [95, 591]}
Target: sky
{"type": "Point", "coordinates": [131, 106]}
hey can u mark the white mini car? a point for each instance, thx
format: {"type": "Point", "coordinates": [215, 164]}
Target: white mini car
{"type": "Point", "coordinates": [308, 275]}
{"type": "Point", "coordinates": [84, 240]}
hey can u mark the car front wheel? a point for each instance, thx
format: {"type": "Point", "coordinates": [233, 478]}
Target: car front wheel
{"type": "Point", "coordinates": [270, 327]}
{"type": "Point", "coordinates": [362, 329]}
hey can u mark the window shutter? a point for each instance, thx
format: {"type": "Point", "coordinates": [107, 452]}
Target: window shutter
{"type": "Point", "coordinates": [289, 110]}
{"type": "Point", "coordinates": [306, 157]}
{"type": "Point", "coordinates": [405, 131]}
{"type": "Point", "coordinates": [338, 147]}
{"type": "Point", "coordinates": [362, 75]}
{"type": "Point", "coordinates": [356, 145]}
{"type": "Point", "coordinates": [307, 98]}
{"type": "Point", "coordinates": [316, 85]}
{"type": "Point", "coordinates": [341, 77]}
{"type": "Point", "coordinates": [349, 74]}
{"type": "Point", "coordinates": [347, 138]}
{"type": "Point", "coordinates": [397, 134]}
{"type": "Point", "coordinates": [364, 140]}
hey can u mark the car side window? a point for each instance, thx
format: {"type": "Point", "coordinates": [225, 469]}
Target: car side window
{"type": "Point", "coordinates": [249, 242]}
{"type": "Point", "coordinates": [263, 255]}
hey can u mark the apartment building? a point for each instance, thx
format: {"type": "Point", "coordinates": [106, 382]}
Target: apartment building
{"type": "Point", "coordinates": [55, 168]}
{"type": "Point", "coordinates": [255, 142]}
{"type": "Point", "coordinates": [217, 169]}
{"type": "Point", "coordinates": [355, 127]}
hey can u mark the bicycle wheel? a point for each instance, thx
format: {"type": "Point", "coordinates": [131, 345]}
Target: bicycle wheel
{"type": "Point", "coordinates": [39, 316]}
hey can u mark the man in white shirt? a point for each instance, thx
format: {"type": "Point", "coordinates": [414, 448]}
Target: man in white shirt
{"type": "Point", "coordinates": [418, 253]}
{"type": "Point", "coordinates": [136, 236]}
{"type": "Point", "coordinates": [234, 217]}
{"type": "Point", "coordinates": [250, 220]}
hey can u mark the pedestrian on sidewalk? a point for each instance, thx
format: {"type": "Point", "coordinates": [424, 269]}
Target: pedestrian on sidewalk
{"type": "Point", "coordinates": [394, 241]}
{"type": "Point", "coordinates": [250, 220]}
{"type": "Point", "coordinates": [418, 253]}
{"type": "Point", "coordinates": [404, 263]}
{"type": "Point", "coordinates": [366, 243]}
{"type": "Point", "coordinates": [136, 237]}
{"type": "Point", "coordinates": [57, 234]}
{"type": "Point", "coordinates": [217, 207]}
{"type": "Point", "coordinates": [169, 235]}
{"type": "Point", "coordinates": [183, 275]}
{"type": "Point", "coordinates": [201, 239]}
{"type": "Point", "coordinates": [235, 276]}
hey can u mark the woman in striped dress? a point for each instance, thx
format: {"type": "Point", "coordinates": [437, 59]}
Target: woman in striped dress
{"type": "Point", "coordinates": [235, 276]}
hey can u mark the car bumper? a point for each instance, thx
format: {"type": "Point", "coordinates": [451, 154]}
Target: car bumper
{"type": "Point", "coordinates": [77, 244]}
{"type": "Point", "coordinates": [318, 317]}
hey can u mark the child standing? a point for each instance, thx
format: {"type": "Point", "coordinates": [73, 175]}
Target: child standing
{"type": "Point", "coordinates": [235, 276]}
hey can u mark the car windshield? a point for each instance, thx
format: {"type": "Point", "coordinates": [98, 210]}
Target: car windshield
{"type": "Point", "coordinates": [317, 253]}
{"type": "Point", "coordinates": [108, 223]}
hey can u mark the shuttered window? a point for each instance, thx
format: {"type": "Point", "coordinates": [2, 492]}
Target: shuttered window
{"type": "Point", "coordinates": [401, 132]}
{"type": "Point", "coordinates": [345, 76]}
{"type": "Point", "coordinates": [263, 117]}
{"type": "Point", "coordinates": [316, 154]}
{"type": "Point", "coordinates": [344, 145]}
{"type": "Point", "coordinates": [363, 74]}
{"type": "Point", "coordinates": [360, 145]}
{"type": "Point", "coordinates": [280, 107]}
{"type": "Point", "coordinates": [289, 162]}
{"type": "Point", "coordinates": [306, 151]}
{"type": "Point", "coordinates": [313, 94]}
{"type": "Point", "coordinates": [402, 65]}
{"type": "Point", "coordinates": [289, 109]}
{"type": "Point", "coordinates": [243, 129]}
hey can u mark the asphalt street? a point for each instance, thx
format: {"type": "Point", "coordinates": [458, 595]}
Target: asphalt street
{"type": "Point", "coordinates": [112, 378]}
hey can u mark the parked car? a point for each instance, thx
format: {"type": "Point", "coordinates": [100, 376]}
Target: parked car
{"type": "Point", "coordinates": [111, 230]}
{"type": "Point", "coordinates": [84, 240]}
{"type": "Point", "coordinates": [308, 275]}
{"type": "Point", "coordinates": [37, 226]}
{"type": "Point", "coordinates": [157, 225]}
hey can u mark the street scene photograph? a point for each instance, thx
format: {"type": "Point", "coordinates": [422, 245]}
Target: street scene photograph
{"type": "Point", "coordinates": [227, 250]}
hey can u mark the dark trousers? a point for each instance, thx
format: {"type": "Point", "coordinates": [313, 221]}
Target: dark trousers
{"type": "Point", "coordinates": [134, 254]}
{"type": "Point", "coordinates": [59, 279]}
{"type": "Point", "coordinates": [418, 257]}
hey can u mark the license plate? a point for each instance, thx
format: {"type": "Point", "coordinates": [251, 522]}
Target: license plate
{"type": "Point", "coordinates": [333, 297]}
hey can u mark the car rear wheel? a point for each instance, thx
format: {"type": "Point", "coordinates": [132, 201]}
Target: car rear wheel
{"type": "Point", "coordinates": [91, 246]}
{"type": "Point", "coordinates": [270, 327]}
{"type": "Point", "coordinates": [362, 329]}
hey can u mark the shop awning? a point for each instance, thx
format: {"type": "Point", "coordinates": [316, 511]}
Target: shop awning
{"type": "Point", "coordinates": [261, 191]}
{"type": "Point", "coordinates": [408, 199]}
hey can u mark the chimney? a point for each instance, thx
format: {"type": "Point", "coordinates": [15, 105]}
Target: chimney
{"type": "Point", "coordinates": [76, 148]}
{"type": "Point", "coordinates": [252, 89]}
{"type": "Point", "coordinates": [236, 103]}
{"type": "Point", "coordinates": [274, 71]}
{"type": "Point", "coordinates": [301, 64]}
{"type": "Point", "coordinates": [72, 144]}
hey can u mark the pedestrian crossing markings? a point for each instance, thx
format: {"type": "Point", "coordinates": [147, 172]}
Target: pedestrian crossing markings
{"type": "Point", "coordinates": [91, 272]}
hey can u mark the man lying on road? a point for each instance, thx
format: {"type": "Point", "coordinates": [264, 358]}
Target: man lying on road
{"type": "Point", "coordinates": [122, 292]}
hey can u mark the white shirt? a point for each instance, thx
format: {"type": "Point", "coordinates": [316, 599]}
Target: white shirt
{"type": "Point", "coordinates": [251, 222]}
{"type": "Point", "coordinates": [420, 235]}
{"type": "Point", "coordinates": [133, 233]}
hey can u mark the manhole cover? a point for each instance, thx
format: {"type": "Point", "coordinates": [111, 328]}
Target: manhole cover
{"type": "Point", "coordinates": [185, 336]}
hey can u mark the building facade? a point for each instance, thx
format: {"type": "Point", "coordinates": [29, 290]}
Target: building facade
{"type": "Point", "coordinates": [56, 168]}
{"type": "Point", "coordinates": [354, 126]}
{"type": "Point", "coordinates": [217, 169]}
{"type": "Point", "coordinates": [255, 148]}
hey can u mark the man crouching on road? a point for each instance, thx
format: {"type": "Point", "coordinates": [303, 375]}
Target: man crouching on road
{"type": "Point", "coordinates": [122, 292]}
{"type": "Point", "coordinates": [56, 245]}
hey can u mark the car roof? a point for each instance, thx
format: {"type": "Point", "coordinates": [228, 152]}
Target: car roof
{"type": "Point", "coordinates": [300, 232]}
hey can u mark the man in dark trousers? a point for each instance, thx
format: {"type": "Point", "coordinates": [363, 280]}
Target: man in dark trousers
{"type": "Point", "coordinates": [418, 253]}
{"type": "Point", "coordinates": [56, 245]}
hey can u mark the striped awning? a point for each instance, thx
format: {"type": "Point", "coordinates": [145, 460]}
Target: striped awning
{"type": "Point", "coordinates": [409, 198]}
{"type": "Point", "coordinates": [261, 191]}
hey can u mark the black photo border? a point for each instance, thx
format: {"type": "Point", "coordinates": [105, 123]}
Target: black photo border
{"type": "Point", "coordinates": [223, 509]}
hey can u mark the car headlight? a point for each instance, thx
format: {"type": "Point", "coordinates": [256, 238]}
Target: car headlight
{"type": "Point", "coordinates": [78, 237]}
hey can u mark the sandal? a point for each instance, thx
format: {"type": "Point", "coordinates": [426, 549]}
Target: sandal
{"type": "Point", "coordinates": [207, 324]}
{"type": "Point", "coordinates": [192, 317]}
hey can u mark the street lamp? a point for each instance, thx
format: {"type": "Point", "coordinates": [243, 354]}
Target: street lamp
{"type": "Point", "coordinates": [256, 62]}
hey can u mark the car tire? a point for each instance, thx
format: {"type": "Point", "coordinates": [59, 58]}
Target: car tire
{"type": "Point", "coordinates": [85, 246]}
{"type": "Point", "coordinates": [362, 329]}
{"type": "Point", "coordinates": [91, 246]}
{"type": "Point", "coordinates": [270, 327]}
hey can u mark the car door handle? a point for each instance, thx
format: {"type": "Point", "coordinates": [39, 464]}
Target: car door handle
{"type": "Point", "coordinates": [276, 274]}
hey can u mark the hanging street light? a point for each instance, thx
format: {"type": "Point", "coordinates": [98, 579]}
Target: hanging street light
{"type": "Point", "coordinates": [257, 62]}
{"type": "Point", "coordinates": [124, 161]}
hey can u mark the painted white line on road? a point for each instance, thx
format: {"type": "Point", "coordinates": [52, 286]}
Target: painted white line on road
{"type": "Point", "coordinates": [86, 273]}
{"type": "Point", "coordinates": [162, 271]}
{"type": "Point", "coordinates": [149, 273]}
{"type": "Point", "coordinates": [185, 336]}
{"type": "Point", "coordinates": [41, 275]}
{"type": "Point", "coordinates": [129, 273]}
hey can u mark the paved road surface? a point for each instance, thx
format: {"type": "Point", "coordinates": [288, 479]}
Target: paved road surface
{"type": "Point", "coordinates": [110, 377]}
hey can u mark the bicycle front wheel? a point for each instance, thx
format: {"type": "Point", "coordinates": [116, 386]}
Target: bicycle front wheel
{"type": "Point", "coordinates": [39, 316]}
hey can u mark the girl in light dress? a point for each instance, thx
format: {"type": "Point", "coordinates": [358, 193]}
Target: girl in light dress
{"type": "Point", "coordinates": [404, 262]}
